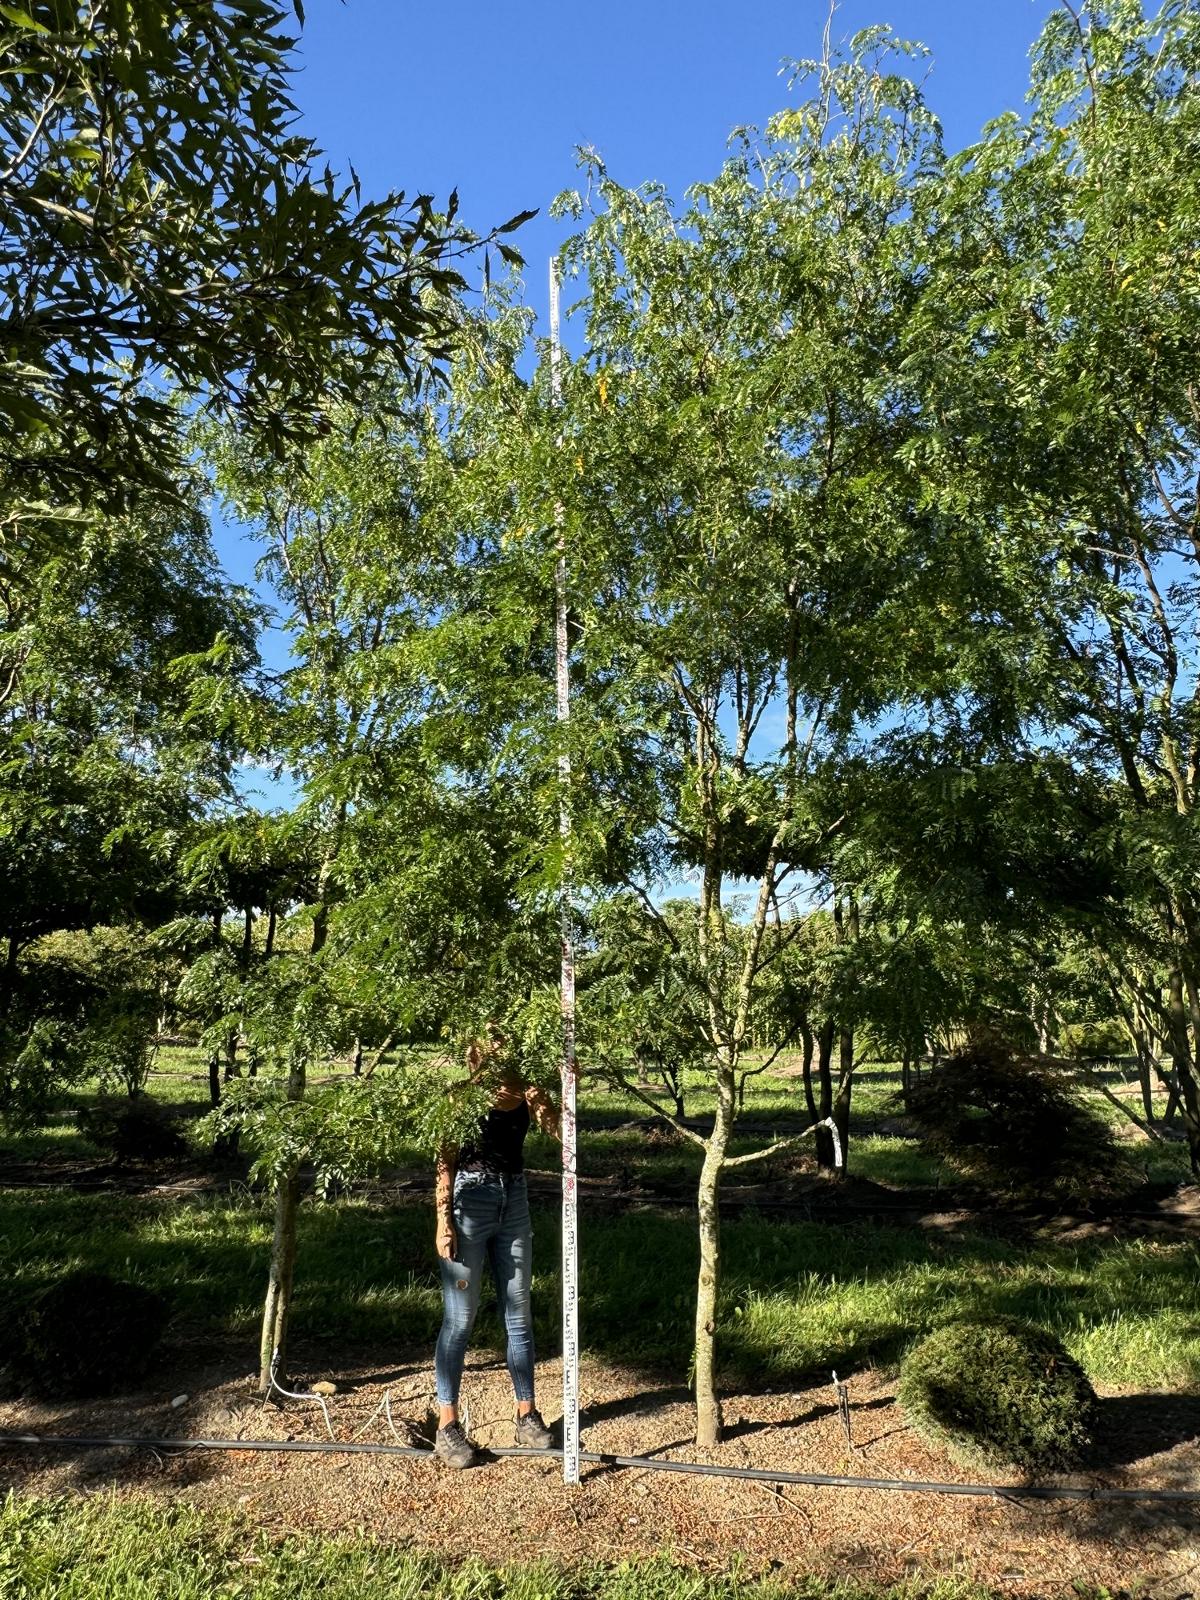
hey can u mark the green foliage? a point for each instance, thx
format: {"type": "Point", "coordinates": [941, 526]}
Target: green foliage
{"type": "Point", "coordinates": [1002, 1393]}
{"type": "Point", "coordinates": [1017, 1128]}
{"type": "Point", "coordinates": [163, 217]}
{"type": "Point", "coordinates": [81, 1005]}
{"type": "Point", "coordinates": [86, 1334]}
{"type": "Point", "coordinates": [38, 1063]}
{"type": "Point", "coordinates": [133, 1130]}
{"type": "Point", "coordinates": [350, 1127]}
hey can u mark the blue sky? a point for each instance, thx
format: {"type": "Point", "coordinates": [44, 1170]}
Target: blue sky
{"type": "Point", "coordinates": [494, 99]}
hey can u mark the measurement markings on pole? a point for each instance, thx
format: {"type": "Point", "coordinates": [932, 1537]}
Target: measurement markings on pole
{"type": "Point", "coordinates": [570, 1250]}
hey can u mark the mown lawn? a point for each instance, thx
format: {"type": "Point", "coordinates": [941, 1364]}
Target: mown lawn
{"type": "Point", "coordinates": [799, 1297]}
{"type": "Point", "coordinates": [106, 1548]}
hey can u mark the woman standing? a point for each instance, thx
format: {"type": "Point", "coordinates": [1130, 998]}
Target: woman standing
{"type": "Point", "coordinates": [483, 1221]}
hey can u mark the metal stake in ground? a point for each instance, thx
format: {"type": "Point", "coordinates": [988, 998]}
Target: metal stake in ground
{"type": "Point", "coordinates": [570, 1248]}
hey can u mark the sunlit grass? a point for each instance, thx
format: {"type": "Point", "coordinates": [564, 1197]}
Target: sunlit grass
{"type": "Point", "coordinates": [132, 1548]}
{"type": "Point", "coordinates": [798, 1298]}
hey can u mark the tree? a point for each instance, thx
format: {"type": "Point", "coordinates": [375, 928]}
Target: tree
{"type": "Point", "coordinates": [1061, 350]}
{"type": "Point", "coordinates": [391, 718]}
{"type": "Point", "coordinates": [163, 222]}
{"type": "Point", "coordinates": [752, 562]}
{"type": "Point", "coordinates": [104, 773]}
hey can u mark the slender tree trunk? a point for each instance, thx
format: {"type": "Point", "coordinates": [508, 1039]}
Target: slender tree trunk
{"type": "Point", "coordinates": [708, 1403]}
{"type": "Point", "coordinates": [1181, 1056]}
{"type": "Point", "coordinates": [806, 1075]}
{"type": "Point", "coordinates": [824, 1139]}
{"type": "Point", "coordinates": [214, 1078]}
{"type": "Point", "coordinates": [841, 1100]}
{"type": "Point", "coordinates": [276, 1312]}
{"type": "Point", "coordinates": [358, 1057]}
{"type": "Point", "coordinates": [277, 1308]}
{"type": "Point", "coordinates": [269, 941]}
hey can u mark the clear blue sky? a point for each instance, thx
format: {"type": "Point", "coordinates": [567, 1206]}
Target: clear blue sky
{"type": "Point", "coordinates": [494, 99]}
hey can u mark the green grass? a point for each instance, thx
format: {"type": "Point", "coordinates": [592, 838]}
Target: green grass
{"type": "Point", "coordinates": [799, 1298]}
{"type": "Point", "coordinates": [105, 1548]}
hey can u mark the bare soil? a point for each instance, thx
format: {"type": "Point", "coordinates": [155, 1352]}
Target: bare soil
{"type": "Point", "coordinates": [516, 1510]}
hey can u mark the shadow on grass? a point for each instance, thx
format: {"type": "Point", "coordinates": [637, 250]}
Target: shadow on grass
{"type": "Point", "coordinates": [799, 1298]}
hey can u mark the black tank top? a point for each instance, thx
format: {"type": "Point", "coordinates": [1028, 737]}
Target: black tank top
{"type": "Point", "coordinates": [498, 1145]}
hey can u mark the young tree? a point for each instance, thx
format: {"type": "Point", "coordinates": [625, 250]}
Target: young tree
{"type": "Point", "coordinates": [752, 562]}
{"type": "Point", "coordinates": [391, 718]}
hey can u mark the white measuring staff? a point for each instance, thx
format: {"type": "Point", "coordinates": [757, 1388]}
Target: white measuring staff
{"type": "Point", "coordinates": [570, 1244]}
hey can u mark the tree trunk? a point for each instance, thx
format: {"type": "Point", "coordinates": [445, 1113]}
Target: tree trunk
{"type": "Point", "coordinates": [824, 1138]}
{"type": "Point", "coordinates": [841, 1101]}
{"type": "Point", "coordinates": [1181, 1057]}
{"type": "Point", "coordinates": [214, 1078]}
{"type": "Point", "coordinates": [809, 1045]}
{"type": "Point", "coordinates": [277, 1309]}
{"type": "Point", "coordinates": [708, 1403]}
{"type": "Point", "coordinates": [276, 1312]}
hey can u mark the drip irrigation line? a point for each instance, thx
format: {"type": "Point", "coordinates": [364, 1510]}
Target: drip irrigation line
{"type": "Point", "coordinates": [994, 1491]}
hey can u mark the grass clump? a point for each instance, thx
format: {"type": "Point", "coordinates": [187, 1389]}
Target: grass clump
{"type": "Point", "coordinates": [999, 1393]}
{"type": "Point", "coordinates": [87, 1334]}
{"type": "Point", "coordinates": [1018, 1129]}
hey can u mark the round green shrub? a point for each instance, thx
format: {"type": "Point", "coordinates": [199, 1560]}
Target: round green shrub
{"type": "Point", "coordinates": [999, 1393]}
{"type": "Point", "coordinates": [135, 1129]}
{"type": "Point", "coordinates": [1018, 1128]}
{"type": "Point", "coordinates": [87, 1334]}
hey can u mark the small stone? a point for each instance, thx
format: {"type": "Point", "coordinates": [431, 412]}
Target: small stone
{"type": "Point", "coordinates": [180, 1400]}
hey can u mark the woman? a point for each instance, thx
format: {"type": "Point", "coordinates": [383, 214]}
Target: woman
{"type": "Point", "coordinates": [483, 1221]}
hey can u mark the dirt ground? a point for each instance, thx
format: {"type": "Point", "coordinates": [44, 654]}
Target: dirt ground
{"type": "Point", "coordinates": [516, 1510]}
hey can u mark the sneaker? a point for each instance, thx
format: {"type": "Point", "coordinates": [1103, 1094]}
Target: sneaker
{"type": "Point", "coordinates": [532, 1432]}
{"type": "Point", "coordinates": [452, 1447]}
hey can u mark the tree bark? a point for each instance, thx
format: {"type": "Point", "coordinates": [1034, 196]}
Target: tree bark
{"type": "Point", "coordinates": [276, 1312]}
{"type": "Point", "coordinates": [708, 1403]}
{"type": "Point", "coordinates": [1181, 1057]}
{"type": "Point", "coordinates": [824, 1103]}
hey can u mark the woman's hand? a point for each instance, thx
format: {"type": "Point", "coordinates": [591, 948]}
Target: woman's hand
{"type": "Point", "coordinates": [447, 1240]}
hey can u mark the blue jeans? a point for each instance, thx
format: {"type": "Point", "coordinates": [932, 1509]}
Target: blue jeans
{"type": "Point", "coordinates": [491, 1219]}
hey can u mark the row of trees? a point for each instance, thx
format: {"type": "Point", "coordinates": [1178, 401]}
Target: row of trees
{"type": "Point", "coordinates": [877, 472]}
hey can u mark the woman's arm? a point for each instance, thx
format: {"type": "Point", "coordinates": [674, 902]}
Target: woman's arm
{"type": "Point", "coordinates": [545, 1112]}
{"type": "Point", "coordinates": [443, 1193]}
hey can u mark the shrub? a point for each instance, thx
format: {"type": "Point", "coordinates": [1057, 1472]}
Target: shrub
{"type": "Point", "coordinates": [134, 1130]}
{"type": "Point", "coordinates": [999, 1393]}
{"type": "Point", "coordinates": [87, 1334]}
{"type": "Point", "coordinates": [1017, 1129]}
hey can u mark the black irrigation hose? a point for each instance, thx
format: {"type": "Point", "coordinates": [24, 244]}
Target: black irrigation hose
{"type": "Point", "coordinates": [996, 1491]}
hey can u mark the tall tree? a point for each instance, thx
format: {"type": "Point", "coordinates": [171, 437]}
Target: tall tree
{"type": "Point", "coordinates": [1060, 353]}
{"type": "Point", "coordinates": [753, 562]}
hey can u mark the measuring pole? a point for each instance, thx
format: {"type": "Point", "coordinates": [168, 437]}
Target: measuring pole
{"type": "Point", "coordinates": [570, 1246]}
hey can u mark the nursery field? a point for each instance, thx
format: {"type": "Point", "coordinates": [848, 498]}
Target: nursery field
{"type": "Point", "coordinates": [818, 1278]}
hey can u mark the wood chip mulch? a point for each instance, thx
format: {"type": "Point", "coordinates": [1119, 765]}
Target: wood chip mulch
{"type": "Point", "coordinates": [518, 1510]}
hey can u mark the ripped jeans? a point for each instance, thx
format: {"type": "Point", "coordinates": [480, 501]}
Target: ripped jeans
{"type": "Point", "coordinates": [491, 1220]}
